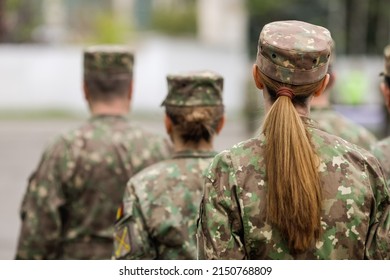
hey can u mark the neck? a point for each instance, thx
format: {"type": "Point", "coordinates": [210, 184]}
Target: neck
{"type": "Point", "coordinates": [321, 101]}
{"type": "Point", "coordinates": [302, 110]}
{"type": "Point", "coordinates": [202, 145]}
{"type": "Point", "coordinates": [114, 107]}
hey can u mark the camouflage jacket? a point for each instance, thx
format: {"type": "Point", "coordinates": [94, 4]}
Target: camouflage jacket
{"type": "Point", "coordinates": [381, 150]}
{"type": "Point", "coordinates": [72, 197]}
{"type": "Point", "coordinates": [160, 208]}
{"type": "Point", "coordinates": [334, 123]}
{"type": "Point", "coordinates": [355, 209]}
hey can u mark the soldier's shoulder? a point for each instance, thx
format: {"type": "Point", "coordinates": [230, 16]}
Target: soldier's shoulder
{"type": "Point", "coordinates": [381, 150]}
{"type": "Point", "coordinates": [381, 145]}
{"type": "Point", "coordinates": [136, 131]}
{"type": "Point", "coordinates": [332, 147]}
{"type": "Point", "coordinates": [233, 157]}
{"type": "Point", "coordinates": [158, 169]}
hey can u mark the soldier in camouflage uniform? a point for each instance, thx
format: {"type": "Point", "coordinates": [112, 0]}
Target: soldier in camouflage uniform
{"type": "Point", "coordinates": [294, 192]}
{"type": "Point", "coordinates": [382, 149]}
{"type": "Point", "coordinates": [160, 205]}
{"type": "Point", "coordinates": [329, 120]}
{"type": "Point", "coordinates": [73, 195]}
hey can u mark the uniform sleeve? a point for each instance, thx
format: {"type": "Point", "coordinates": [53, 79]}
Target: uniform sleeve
{"type": "Point", "coordinates": [378, 241]}
{"type": "Point", "coordinates": [131, 237]}
{"type": "Point", "coordinates": [41, 208]}
{"type": "Point", "coordinates": [381, 150]}
{"type": "Point", "coordinates": [220, 231]}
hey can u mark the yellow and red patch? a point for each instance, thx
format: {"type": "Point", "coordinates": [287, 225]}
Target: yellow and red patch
{"type": "Point", "coordinates": [119, 212]}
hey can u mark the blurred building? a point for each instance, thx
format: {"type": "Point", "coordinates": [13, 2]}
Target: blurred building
{"type": "Point", "coordinates": [223, 23]}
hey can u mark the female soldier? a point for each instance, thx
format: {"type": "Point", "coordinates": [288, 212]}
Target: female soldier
{"type": "Point", "coordinates": [295, 192]}
{"type": "Point", "coordinates": [160, 205]}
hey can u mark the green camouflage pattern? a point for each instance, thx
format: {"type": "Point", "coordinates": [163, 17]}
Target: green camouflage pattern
{"type": "Point", "coordinates": [203, 88]}
{"type": "Point", "coordinates": [294, 52]}
{"type": "Point", "coordinates": [355, 211]}
{"type": "Point", "coordinates": [72, 197]}
{"type": "Point", "coordinates": [108, 60]}
{"type": "Point", "coordinates": [334, 123]}
{"type": "Point", "coordinates": [386, 53]}
{"type": "Point", "coordinates": [160, 208]}
{"type": "Point", "coordinates": [381, 150]}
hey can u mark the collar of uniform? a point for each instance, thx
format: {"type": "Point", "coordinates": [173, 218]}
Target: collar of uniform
{"type": "Point", "coordinates": [108, 117]}
{"type": "Point", "coordinates": [319, 109]}
{"type": "Point", "coordinates": [194, 154]}
{"type": "Point", "coordinates": [309, 122]}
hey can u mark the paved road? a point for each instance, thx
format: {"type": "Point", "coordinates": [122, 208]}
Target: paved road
{"type": "Point", "coordinates": [21, 144]}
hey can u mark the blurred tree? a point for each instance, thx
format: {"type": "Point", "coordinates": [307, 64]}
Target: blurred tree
{"type": "Point", "coordinates": [21, 18]}
{"type": "Point", "coordinates": [264, 11]}
{"type": "Point", "coordinates": [108, 29]}
{"type": "Point", "coordinates": [175, 17]}
{"type": "Point", "coordinates": [358, 22]}
{"type": "Point", "coordinates": [381, 24]}
{"type": "Point", "coordinates": [2, 20]}
{"type": "Point", "coordinates": [358, 26]}
{"type": "Point", "coordinates": [106, 22]}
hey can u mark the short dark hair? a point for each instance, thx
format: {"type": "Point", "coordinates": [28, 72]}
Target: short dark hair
{"type": "Point", "coordinates": [105, 87]}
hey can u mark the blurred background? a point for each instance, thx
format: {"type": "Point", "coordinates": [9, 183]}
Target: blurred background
{"type": "Point", "coordinates": [41, 43]}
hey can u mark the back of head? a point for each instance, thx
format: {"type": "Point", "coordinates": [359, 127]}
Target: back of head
{"type": "Point", "coordinates": [108, 71]}
{"type": "Point", "coordinates": [194, 104]}
{"type": "Point", "coordinates": [386, 72]}
{"type": "Point", "coordinates": [292, 59]}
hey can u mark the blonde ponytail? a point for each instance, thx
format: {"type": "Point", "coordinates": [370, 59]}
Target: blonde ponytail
{"type": "Point", "coordinates": [294, 188]}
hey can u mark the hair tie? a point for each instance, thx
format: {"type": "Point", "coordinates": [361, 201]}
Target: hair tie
{"type": "Point", "coordinates": [285, 91]}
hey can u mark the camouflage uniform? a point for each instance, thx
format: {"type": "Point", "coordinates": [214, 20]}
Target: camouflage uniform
{"type": "Point", "coordinates": [334, 123]}
{"type": "Point", "coordinates": [355, 207]}
{"type": "Point", "coordinates": [160, 205]}
{"type": "Point", "coordinates": [73, 195]}
{"type": "Point", "coordinates": [382, 149]}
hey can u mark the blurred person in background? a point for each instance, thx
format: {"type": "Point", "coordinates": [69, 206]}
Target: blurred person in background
{"type": "Point", "coordinates": [330, 121]}
{"type": "Point", "coordinates": [295, 191]}
{"type": "Point", "coordinates": [73, 195]}
{"type": "Point", "coordinates": [382, 149]}
{"type": "Point", "coordinates": [160, 205]}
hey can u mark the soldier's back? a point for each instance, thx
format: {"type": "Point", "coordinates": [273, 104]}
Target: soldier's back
{"type": "Point", "coordinates": [73, 196]}
{"type": "Point", "coordinates": [351, 183]}
{"type": "Point", "coordinates": [167, 194]}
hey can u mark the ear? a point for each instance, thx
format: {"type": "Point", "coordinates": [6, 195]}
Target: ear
{"type": "Point", "coordinates": [386, 94]}
{"type": "Point", "coordinates": [168, 124]}
{"type": "Point", "coordinates": [256, 77]}
{"type": "Point", "coordinates": [221, 124]}
{"type": "Point", "coordinates": [85, 91]}
{"type": "Point", "coordinates": [130, 90]}
{"type": "Point", "coordinates": [323, 86]}
{"type": "Point", "coordinates": [332, 79]}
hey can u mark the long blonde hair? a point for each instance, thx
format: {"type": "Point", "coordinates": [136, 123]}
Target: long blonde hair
{"type": "Point", "coordinates": [294, 188]}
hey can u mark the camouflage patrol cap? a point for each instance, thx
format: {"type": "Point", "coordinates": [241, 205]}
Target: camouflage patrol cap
{"type": "Point", "coordinates": [202, 88]}
{"type": "Point", "coordinates": [386, 53]}
{"type": "Point", "coordinates": [115, 60]}
{"type": "Point", "coordinates": [294, 52]}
